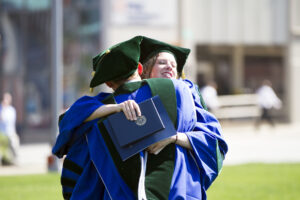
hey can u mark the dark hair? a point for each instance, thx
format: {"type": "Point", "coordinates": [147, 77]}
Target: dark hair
{"type": "Point", "coordinates": [120, 81]}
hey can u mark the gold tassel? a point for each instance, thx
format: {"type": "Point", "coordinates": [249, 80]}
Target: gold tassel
{"type": "Point", "coordinates": [183, 75]}
{"type": "Point", "coordinates": [91, 90]}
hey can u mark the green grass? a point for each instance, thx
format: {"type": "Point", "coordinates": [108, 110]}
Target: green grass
{"type": "Point", "coordinates": [257, 182]}
{"type": "Point", "coordinates": [242, 182]}
{"type": "Point", "coordinates": [30, 187]}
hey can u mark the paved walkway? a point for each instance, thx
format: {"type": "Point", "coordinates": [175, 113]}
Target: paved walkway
{"type": "Point", "coordinates": [267, 145]}
{"type": "Point", "coordinates": [246, 145]}
{"type": "Point", "coordinates": [32, 159]}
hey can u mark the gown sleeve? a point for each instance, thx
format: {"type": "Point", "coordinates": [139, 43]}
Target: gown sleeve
{"type": "Point", "coordinates": [72, 119]}
{"type": "Point", "coordinates": [209, 147]}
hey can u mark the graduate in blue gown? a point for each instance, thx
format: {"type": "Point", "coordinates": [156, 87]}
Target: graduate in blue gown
{"type": "Point", "coordinates": [162, 60]}
{"type": "Point", "coordinates": [92, 169]}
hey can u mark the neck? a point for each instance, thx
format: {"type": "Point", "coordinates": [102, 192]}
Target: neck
{"type": "Point", "coordinates": [115, 84]}
{"type": "Point", "coordinates": [114, 87]}
{"type": "Point", "coordinates": [133, 80]}
{"type": "Point", "coordinates": [135, 77]}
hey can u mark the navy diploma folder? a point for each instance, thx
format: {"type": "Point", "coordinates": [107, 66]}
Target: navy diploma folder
{"type": "Point", "coordinates": [131, 137]}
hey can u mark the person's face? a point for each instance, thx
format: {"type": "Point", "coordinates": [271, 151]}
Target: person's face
{"type": "Point", "coordinates": [7, 99]}
{"type": "Point", "coordinates": [165, 66]}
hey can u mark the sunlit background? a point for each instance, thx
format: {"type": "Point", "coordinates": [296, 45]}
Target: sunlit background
{"type": "Point", "coordinates": [46, 51]}
{"type": "Point", "coordinates": [47, 46]}
{"type": "Point", "coordinates": [237, 43]}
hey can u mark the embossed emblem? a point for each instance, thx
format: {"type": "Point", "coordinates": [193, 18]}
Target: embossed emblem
{"type": "Point", "coordinates": [141, 120]}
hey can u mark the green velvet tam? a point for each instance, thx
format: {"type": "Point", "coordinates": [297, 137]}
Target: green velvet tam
{"type": "Point", "coordinates": [150, 47]}
{"type": "Point", "coordinates": [117, 62]}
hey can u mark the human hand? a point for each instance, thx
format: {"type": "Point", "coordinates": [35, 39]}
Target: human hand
{"type": "Point", "coordinates": [131, 109]}
{"type": "Point", "coordinates": [158, 146]}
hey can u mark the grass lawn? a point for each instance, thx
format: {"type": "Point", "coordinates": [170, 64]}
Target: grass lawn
{"type": "Point", "coordinates": [257, 182]}
{"type": "Point", "coordinates": [241, 182]}
{"type": "Point", "coordinates": [30, 187]}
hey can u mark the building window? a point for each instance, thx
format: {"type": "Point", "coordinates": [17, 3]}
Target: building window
{"type": "Point", "coordinates": [295, 16]}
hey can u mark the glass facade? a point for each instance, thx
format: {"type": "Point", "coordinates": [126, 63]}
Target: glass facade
{"type": "Point", "coordinates": [25, 57]}
{"type": "Point", "coordinates": [81, 43]}
{"type": "Point", "coordinates": [25, 61]}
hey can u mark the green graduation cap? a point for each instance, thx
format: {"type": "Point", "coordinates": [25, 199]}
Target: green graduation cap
{"type": "Point", "coordinates": [117, 62]}
{"type": "Point", "coordinates": [150, 47]}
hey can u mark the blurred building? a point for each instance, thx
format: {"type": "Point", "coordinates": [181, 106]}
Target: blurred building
{"type": "Point", "coordinates": [238, 43]}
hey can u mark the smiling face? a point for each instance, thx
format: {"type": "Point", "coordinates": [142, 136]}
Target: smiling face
{"type": "Point", "coordinates": [165, 66]}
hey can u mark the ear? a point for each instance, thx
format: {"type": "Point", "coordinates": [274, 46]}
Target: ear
{"type": "Point", "coordinates": [140, 68]}
{"type": "Point", "coordinates": [109, 84]}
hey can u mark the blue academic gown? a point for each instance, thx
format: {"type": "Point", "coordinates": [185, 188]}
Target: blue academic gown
{"type": "Point", "coordinates": [87, 175]}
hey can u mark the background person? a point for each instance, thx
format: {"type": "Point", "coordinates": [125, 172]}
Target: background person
{"type": "Point", "coordinates": [8, 123]}
{"type": "Point", "coordinates": [210, 95]}
{"type": "Point", "coordinates": [267, 100]}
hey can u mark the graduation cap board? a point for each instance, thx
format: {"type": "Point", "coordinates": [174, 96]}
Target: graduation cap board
{"type": "Point", "coordinates": [131, 137]}
{"type": "Point", "coordinates": [150, 47]}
